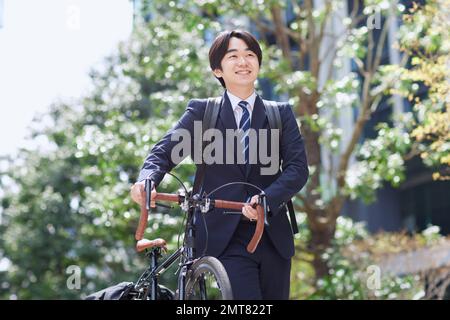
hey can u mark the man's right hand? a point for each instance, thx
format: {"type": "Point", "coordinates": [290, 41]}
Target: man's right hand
{"type": "Point", "coordinates": [136, 194]}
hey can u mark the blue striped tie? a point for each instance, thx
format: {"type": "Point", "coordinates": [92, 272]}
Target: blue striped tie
{"type": "Point", "coordinates": [244, 125]}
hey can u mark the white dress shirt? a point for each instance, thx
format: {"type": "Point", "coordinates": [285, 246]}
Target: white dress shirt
{"type": "Point", "coordinates": [237, 110]}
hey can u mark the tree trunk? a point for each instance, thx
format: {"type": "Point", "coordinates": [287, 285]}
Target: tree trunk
{"type": "Point", "coordinates": [322, 220]}
{"type": "Point", "coordinates": [322, 234]}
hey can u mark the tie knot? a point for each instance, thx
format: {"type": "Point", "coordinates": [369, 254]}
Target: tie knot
{"type": "Point", "coordinates": [243, 104]}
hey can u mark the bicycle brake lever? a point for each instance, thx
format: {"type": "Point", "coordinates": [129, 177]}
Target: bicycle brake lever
{"type": "Point", "coordinates": [203, 202]}
{"type": "Point", "coordinates": [262, 198]}
{"type": "Point", "coordinates": [148, 192]}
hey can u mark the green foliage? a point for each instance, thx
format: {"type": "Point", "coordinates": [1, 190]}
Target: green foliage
{"type": "Point", "coordinates": [380, 159]}
{"type": "Point", "coordinates": [353, 262]}
{"type": "Point", "coordinates": [66, 202]}
{"type": "Point", "coordinates": [424, 38]}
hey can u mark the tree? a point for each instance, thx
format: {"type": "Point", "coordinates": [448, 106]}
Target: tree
{"type": "Point", "coordinates": [424, 38]}
{"type": "Point", "coordinates": [65, 201]}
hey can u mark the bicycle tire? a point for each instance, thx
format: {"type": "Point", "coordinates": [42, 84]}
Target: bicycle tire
{"type": "Point", "coordinates": [196, 274]}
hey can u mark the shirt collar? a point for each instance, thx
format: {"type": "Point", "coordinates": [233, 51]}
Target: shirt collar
{"type": "Point", "coordinates": [235, 100]}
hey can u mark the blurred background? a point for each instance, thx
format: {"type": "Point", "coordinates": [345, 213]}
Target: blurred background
{"type": "Point", "coordinates": [88, 87]}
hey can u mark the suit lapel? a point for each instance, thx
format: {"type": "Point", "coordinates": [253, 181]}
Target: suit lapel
{"type": "Point", "coordinates": [258, 114]}
{"type": "Point", "coordinates": [226, 115]}
{"type": "Point", "coordinates": [228, 121]}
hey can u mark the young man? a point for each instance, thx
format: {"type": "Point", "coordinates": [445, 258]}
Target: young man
{"type": "Point", "coordinates": [235, 59]}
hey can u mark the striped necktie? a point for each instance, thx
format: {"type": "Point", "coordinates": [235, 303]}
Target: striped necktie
{"type": "Point", "coordinates": [244, 125]}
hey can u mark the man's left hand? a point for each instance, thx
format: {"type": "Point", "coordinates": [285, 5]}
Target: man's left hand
{"type": "Point", "coordinates": [250, 212]}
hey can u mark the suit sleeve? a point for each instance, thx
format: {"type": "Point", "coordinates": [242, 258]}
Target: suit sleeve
{"type": "Point", "coordinates": [294, 166]}
{"type": "Point", "coordinates": [159, 160]}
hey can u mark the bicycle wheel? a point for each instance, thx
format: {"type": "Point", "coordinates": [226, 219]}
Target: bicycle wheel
{"type": "Point", "coordinates": [208, 280]}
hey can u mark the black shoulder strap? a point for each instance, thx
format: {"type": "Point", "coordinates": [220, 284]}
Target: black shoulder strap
{"type": "Point", "coordinates": [274, 118]}
{"type": "Point", "coordinates": [273, 115]}
{"type": "Point", "coordinates": [209, 121]}
{"type": "Point", "coordinates": [211, 113]}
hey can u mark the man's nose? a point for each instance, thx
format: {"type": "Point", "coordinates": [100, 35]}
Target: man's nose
{"type": "Point", "coordinates": [242, 61]}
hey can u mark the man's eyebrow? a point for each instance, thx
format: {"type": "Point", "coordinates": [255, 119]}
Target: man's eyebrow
{"type": "Point", "coordinates": [232, 50]}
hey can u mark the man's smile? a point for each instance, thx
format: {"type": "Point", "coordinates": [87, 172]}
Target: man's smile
{"type": "Point", "coordinates": [245, 72]}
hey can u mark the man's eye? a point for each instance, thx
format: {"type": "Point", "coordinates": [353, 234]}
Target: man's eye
{"type": "Point", "coordinates": [233, 56]}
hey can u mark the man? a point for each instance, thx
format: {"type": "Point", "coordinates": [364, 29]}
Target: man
{"type": "Point", "coordinates": [235, 59]}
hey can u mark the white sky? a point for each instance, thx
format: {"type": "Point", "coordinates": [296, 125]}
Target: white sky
{"type": "Point", "coordinates": [46, 50]}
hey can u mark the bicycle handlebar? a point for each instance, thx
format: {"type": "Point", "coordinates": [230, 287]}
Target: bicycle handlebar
{"type": "Point", "coordinates": [222, 204]}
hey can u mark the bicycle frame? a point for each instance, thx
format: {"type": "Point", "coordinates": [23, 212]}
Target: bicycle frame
{"type": "Point", "coordinates": [186, 253]}
{"type": "Point", "coordinates": [149, 279]}
{"type": "Point", "coordinates": [151, 275]}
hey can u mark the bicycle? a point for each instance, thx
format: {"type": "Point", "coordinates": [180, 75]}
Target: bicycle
{"type": "Point", "coordinates": [193, 281]}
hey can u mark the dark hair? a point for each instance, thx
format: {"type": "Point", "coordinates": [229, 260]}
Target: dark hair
{"type": "Point", "coordinates": [220, 44]}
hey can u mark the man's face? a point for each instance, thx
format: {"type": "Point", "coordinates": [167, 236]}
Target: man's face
{"type": "Point", "coordinates": [240, 66]}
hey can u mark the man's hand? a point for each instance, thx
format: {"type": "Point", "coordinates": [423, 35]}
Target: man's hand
{"type": "Point", "coordinates": [136, 194]}
{"type": "Point", "coordinates": [248, 211]}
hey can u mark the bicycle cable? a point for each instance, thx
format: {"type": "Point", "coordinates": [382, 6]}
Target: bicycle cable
{"type": "Point", "coordinates": [179, 232]}
{"type": "Point", "coordinates": [186, 192]}
{"type": "Point", "coordinates": [209, 194]}
{"type": "Point", "coordinates": [206, 231]}
{"type": "Point", "coordinates": [182, 184]}
{"type": "Point", "coordinates": [184, 218]}
{"type": "Point", "coordinates": [232, 183]}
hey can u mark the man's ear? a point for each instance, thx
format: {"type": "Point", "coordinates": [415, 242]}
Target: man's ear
{"type": "Point", "coordinates": [218, 73]}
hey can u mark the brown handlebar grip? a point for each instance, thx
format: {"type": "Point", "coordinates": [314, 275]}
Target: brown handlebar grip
{"type": "Point", "coordinates": [142, 219]}
{"type": "Point", "coordinates": [251, 247]}
{"type": "Point", "coordinates": [144, 212]}
{"type": "Point", "coordinates": [232, 205]}
{"type": "Point", "coordinates": [167, 197]}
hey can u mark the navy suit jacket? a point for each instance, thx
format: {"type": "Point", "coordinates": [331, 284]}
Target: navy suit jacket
{"type": "Point", "coordinates": [279, 187]}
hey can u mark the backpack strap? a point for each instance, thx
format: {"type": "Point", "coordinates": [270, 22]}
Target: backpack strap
{"type": "Point", "coordinates": [273, 115]}
{"type": "Point", "coordinates": [211, 113]}
{"type": "Point", "coordinates": [274, 118]}
{"type": "Point", "coordinates": [209, 121]}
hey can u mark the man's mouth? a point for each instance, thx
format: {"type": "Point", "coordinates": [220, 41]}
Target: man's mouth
{"type": "Point", "coordinates": [243, 72]}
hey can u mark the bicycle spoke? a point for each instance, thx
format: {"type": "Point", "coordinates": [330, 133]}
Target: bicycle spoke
{"type": "Point", "coordinates": [206, 287]}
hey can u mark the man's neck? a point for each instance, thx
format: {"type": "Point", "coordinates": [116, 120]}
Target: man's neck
{"type": "Point", "coordinates": [242, 93]}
